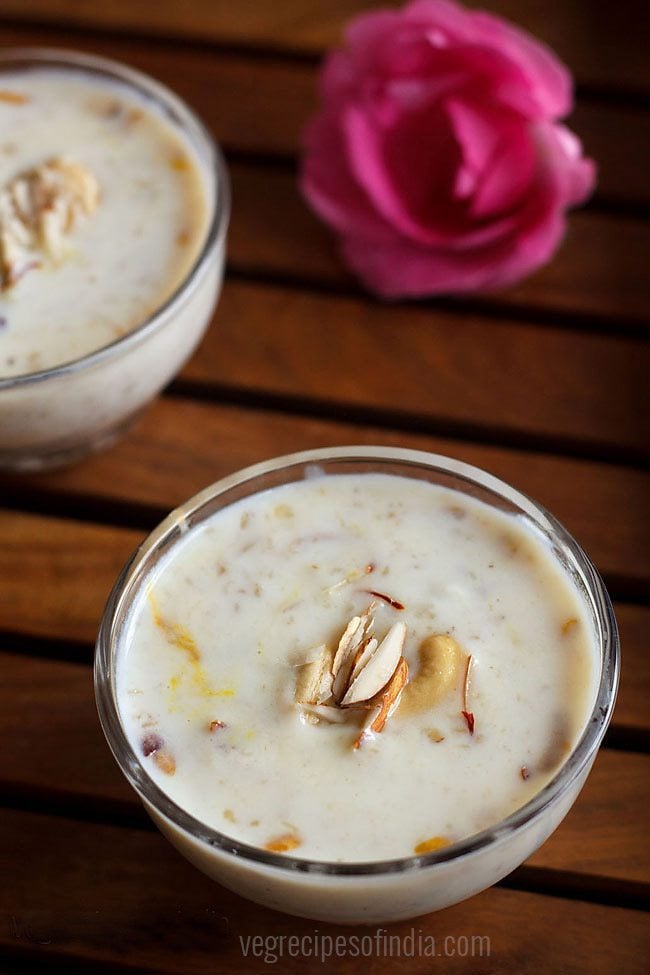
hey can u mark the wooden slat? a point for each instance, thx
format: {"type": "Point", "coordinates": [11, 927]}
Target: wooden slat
{"type": "Point", "coordinates": [593, 841]}
{"type": "Point", "coordinates": [55, 576]}
{"type": "Point", "coordinates": [251, 104]}
{"type": "Point", "coordinates": [181, 446]}
{"type": "Point", "coordinates": [261, 105]}
{"type": "Point", "coordinates": [596, 40]}
{"type": "Point", "coordinates": [587, 391]}
{"type": "Point", "coordinates": [618, 138]}
{"type": "Point", "coordinates": [99, 893]}
{"type": "Point", "coordinates": [632, 706]}
{"type": "Point", "coordinates": [599, 272]}
{"type": "Point", "coordinates": [58, 749]}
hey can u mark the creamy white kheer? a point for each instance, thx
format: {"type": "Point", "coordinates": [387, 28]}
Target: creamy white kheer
{"type": "Point", "coordinates": [473, 657]}
{"type": "Point", "coordinates": [72, 287]}
{"type": "Point", "coordinates": [114, 204]}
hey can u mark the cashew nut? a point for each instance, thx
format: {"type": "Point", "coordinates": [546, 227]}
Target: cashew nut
{"type": "Point", "coordinates": [440, 664]}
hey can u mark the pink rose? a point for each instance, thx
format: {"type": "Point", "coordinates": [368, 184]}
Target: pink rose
{"type": "Point", "coordinates": [437, 154]}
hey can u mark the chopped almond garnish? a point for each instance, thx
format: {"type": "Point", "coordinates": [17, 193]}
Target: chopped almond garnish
{"type": "Point", "coordinates": [389, 699]}
{"type": "Point", "coordinates": [216, 724]}
{"type": "Point", "coordinates": [466, 685]}
{"type": "Point", "coordinates": [314, 678]}
{"type": "Point", "coordinates": [430, 845]}
{"type": "Point", "coordinates": [395, 603]}
{"type": "Point", "coordinates": [523, 771]}
{"type": "Point", "coordinates": [377, 664]}
{"type": "Point", "coordinates": [466, 713]}
{"type": "Point", "coordinates": [568, 625]}
{"type": "Point", "coordinates": [391, 694]}
{"type": "Point", "coordinates": [39, 209]}
{"type": "Point", "coordinates": [363, 674]}
{"type": "Point", "coordinates": [469, 720]}
{"type": "Point", "coordinates": [284, 843]}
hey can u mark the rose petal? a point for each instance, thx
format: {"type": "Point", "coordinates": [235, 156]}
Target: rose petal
{"type": "Point", "coordinates": [436, 155]}
{"type": "Point", "coordinates": [581, 172]}
{"type": "Point", "coordinates": [477, 137]}
{"type": "Point", "coordinates": [400, 269]}
{"type": "Point", "coordinates": [507, 176]}
{"type": "Point", "coordinates": [549, 80]}
{"type": "Point", "coordinates": [402, 172]}
{"type": "Point", "coordinates": [328, 185]}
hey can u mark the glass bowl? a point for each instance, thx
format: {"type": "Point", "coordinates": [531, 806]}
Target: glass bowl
{"type": "Point", "coordinates": [57, 415]}
{"type": "Point", "coordinates": [367, 892]}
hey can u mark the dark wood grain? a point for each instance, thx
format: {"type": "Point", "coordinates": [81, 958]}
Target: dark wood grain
{"type": "Point", "coordinates": [55, 575]}
{"type": "Point", "coordinates": [632, 705]}
{"type": "Point", "coordinates": [599, 273]}
{"type": "Point", "coordinates": [260, 106]}
{"type": "Point", "coordinates": [594, 39]}
{"type": "Point", "coordinates": [499, 379]}
{"type": "Point", "coordinates": [180, 446]}
{"type": "Point", "coordinates": [72, 886]}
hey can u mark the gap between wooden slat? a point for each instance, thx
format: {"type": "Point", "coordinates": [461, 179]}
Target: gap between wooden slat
{"type": "Point", "coordinates": [286, 162]}
{"type": "Point", "coordinates": [624, 739]}
{"type": "Point", "coordinates": [158, 30]}
{"type": "Point", "coordinates": [85, 499]}
{"type": "Point", "coordinates": [123, 514]}
{"type": "Point", "coordinates": [405, 421]}
{"type": "Point", "coordinates": [574, 320]}
{"type": "Point", "coordinates": [598, 274]}
{"type": "Point", "coordinates": [531, 879]}
{"type": "Point", "coordinates": [229, 49]}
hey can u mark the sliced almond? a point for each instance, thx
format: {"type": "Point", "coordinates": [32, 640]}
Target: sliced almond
{"type": "Point", "coordinates": [314, 679]}
{"type": "Point", "coordinates": [362, 656]}
{"type": "Point", "coordinates": [324, 712]}
{"type": "Point", "coordinates": [306, 717]}
{"type": "Point", "coordinates": [356, 632]}
{"type": "Point", "coordinates": [379, 667]}
{"type": "Point", "coordinates": [389, 702]}
{"type": "Point", "coordinates": [39, 208]}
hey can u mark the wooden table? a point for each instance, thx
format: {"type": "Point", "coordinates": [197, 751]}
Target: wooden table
{"type": "Point", "coordinates": [543, 384]}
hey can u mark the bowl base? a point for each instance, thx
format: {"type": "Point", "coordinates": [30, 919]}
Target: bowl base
{"type": "Point", "coordinates": [36, 459]}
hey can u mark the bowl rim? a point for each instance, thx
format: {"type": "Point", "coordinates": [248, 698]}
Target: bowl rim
{"type": "Point", "coordinates": [213, 168]}
{"type": "Point", "coordinates": [179, 522]}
